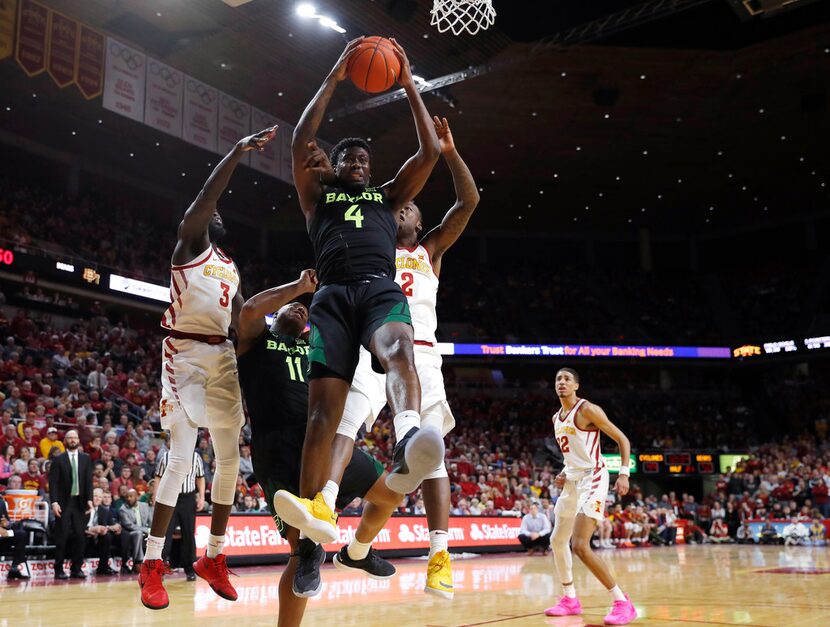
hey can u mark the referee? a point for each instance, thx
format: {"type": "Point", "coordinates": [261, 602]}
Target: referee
{"type": "Point", "coordinates": [191, 499]}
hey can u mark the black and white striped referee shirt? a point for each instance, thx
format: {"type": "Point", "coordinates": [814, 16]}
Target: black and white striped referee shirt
{"type": "Point", "coordinates": [197, 469]}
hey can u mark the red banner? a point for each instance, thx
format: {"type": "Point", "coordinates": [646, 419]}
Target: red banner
{"type": "Point", "coordinates": [32, 30]}
{"type": "Point", "coordinates": [63, 44]}
{"type": "Point", "coordinates": [256, 534]}
{"type": "Point", "coordinates": [89, 63]}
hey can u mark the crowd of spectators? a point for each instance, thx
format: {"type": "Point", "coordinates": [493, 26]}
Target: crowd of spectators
{"type": "Point", "coordinates": [492, 301]}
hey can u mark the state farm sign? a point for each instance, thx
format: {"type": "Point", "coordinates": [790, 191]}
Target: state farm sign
{"type": "Point", "coordinates": [256, 534]}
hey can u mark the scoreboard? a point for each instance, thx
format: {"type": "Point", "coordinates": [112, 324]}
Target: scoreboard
{"type": "Point", "coordinates": [685, 463]}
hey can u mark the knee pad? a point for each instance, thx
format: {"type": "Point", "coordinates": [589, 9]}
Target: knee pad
{"type": "Point", "coordinates": [167, 492]}
{"type": "Point", "coordinates": [439, 473]}
{"type": "Point", "coordinates": [356, 411]}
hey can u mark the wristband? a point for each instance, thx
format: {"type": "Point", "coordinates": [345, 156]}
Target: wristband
{"type": "Point", "coordinates": [625, 471]}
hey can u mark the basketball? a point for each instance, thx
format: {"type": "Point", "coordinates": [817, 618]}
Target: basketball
{"type": "Point", "coordinates": [374, 67]}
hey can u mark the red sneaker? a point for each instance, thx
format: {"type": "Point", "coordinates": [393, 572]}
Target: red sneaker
{"type": "Point", "coordinates": [215, 571]}
{"type": "Point", "coordinates": [151, 581]}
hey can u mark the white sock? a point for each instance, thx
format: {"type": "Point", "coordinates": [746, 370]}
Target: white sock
{"type": "Point", "coordinates": [358, 550]}
{"type": "Point", "coordinates": [329, 492]}
{"type": "Point", "coordinates": [404, 421]}
{"type": "Point", "coordinates": [438, 541]}
{"type": "Point", "coordinates": [569, 591]}
{"type": "Point", "coordinates": [155, 545]}
{"type": "Point", "coordinates": [215, 545]}
{"type": "Point", "coordinates": [617, 593]}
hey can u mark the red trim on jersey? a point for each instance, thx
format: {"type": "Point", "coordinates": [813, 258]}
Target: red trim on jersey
{"type": "Point", "coordinates": [168, 368]}
{"type": "Point", "coordinates": [194, 263]}
{"type": "Point", "coordinates": [577, 408]}
{"type": "Point", "coordinates": [167, 355]}
{"type": "Point", "coordinates": [222, 256]}
{"type": "Point", "coordinates": [184, 278]}
{"type": "Point", "coordinates": [409, 249]}
{"type": "Point", "coordinates": [169, 344]}
{"type": "Point", "coordinates": [595, 445]}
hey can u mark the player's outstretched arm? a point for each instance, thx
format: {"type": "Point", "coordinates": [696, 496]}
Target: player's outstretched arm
{"type": "Point", "coordinates": [439, 239]}
{"type": "Point", "coordinates": [193, 229]}
{"type": "Point", "coordinates": [413, 175]}
{"type": "Point", "coordinates": [596, 416]}
{"type": "Point", "coordinates": [252, 315]}
{"type": "Point", "coordinates": [305, 167]}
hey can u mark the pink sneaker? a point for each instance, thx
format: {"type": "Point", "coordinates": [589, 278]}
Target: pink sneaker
{"type": "Point", "coordinates": [622, 613]}
{"type": "Point", "coordinates": [567, 606]}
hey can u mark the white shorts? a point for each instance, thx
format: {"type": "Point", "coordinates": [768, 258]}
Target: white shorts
{"type": "Point", "coordinates": [584, 493]}
{"type": "Point", "coordinates": [367, 395]}
{"type": "Point", "coordinates": [200, 385]}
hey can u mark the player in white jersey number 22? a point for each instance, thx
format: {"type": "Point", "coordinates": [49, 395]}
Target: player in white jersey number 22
{"type": "Point", "coordinates": [418, 265]}
{"type": "Point", "coordinates": [581, 505]}
{"type": "Point", "coordinates": [200, 385]}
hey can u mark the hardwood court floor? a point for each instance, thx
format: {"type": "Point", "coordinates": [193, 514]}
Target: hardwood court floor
{"type": "Point", "coordinates": [674, 586]}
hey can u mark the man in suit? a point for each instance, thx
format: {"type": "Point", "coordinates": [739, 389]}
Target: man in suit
{"type": "Point", "coordinates": [102, 529]}
{"type": "Point", "coordinates": [17, 539]}
{"type": "Point", "coordinates": [135, 520]}
{"type": "Point", "coordinates": [70, 490]}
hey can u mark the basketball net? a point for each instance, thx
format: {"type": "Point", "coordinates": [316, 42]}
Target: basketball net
{"type": "Point", "coordinates": [460, 15]}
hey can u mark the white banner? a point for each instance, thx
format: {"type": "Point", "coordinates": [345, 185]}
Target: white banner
{"type": "Point", "coordinates": [201, 112]}
{"type": "Point", "coordinates": [139, 288]}
{"type": "Point", "coordinates": [286, 131]}
{"type": "Point", "coordinates": [234, 124]}
{"type": "Point", "coordinates": [124, 80]}
{"type": "Point", "coordinates": [163, 104]}
{"type": "Point", "coordinates": [267, 161]}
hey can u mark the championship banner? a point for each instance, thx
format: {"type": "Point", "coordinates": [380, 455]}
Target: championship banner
{"type": "Point", "coordinates": [267, 161]}
{"type": "Point", "coordinates": [234, 124]}
{"type": "Point", "coordinates": [63, 44]}
{"type": "Point", "coordinates": [8, 11]}
{"type": "Point", "coordinates": [256, 534]}
{"type": "Point", "coordinates": [124, 79]}
{"type": "Point", "coordinates": [89, 64]}
{"type": "Point", "coordinates": [201, 112]}
{"type": "Point", "coordinates": [165, 93]}
{"type": "Point", "coordinates": [285, 136]}
{"type": "Point", "coordinates": [32, 31]}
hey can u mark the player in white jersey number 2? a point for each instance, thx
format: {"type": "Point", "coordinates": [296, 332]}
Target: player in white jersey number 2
{"type": "Point", "coordinates": [200, 385]}
{"type": "Point", "coordinates": [418, 265]}
{"type": "Point", "coordinates": [581, 505]}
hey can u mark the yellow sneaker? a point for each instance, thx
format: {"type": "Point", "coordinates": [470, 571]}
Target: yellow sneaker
{"type": "Point", "coordinates": [312, 517]}
{"type": "Point", "coordinates": [439, 575]}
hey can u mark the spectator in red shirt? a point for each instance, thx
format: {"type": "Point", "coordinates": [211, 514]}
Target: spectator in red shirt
{"type": "Point", "coordinates": [33, 478]}
{"type": "Point", "coordinates": [93, 449]}
{"type": "Point", "coordinates": [124, 479]}
{"type": "Point", "coordinates": [10, 437]}
{"type": "Point", "coordinates": [468, 488]}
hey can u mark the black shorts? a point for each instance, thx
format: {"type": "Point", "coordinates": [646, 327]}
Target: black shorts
{"type": "Point", "coordinates": [344, 317]}
{"type": "Point", "coordinates": [282, 472]}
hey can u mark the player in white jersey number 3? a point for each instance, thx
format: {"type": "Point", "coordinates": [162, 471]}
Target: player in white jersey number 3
{"type": "Point", "coordinates": [581, 505]}
{"type": "Point", "coordinates": [200, 384]}
{"type": "Point", "coordinates": [418, 265]}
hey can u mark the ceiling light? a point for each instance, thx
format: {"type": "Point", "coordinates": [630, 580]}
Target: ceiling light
{"type": "Point", "coordinates": [330, 23]}
{"type": "Point", "coordinates": [587, 207]}
{"type": "Point", "coordinates": [783, 138]}
{"type": "Point", "coordinates": [564, 74]}
{"type": "Point", "coordinates": [132, 154]}
{"type": "Point", "coordinates": [9, 109]}
{"type": "Point", "coordinates": [34, 95]}
{"type": "Point", "coordinates": [642, 77]}
{"type": "Point", "coordinates": [618, 178]}
{"type": "Point", "coordinates": [183, 174]}
{"type": "Point", "coordinates": [306, 10]}
{"type": "Point", "coordinates": [760, 110]}
{"type": "Point", "coordinates": [642, 209]}
{"type": "Point", "coordinates": [541, 191]}
{"type": "Point", "coordinates": [679, 180]}
{"type": "Point", "coordinates": [533, 114]}
{"type": "Point", "coordinates": [739, 76]}
{"type": "Point", "coordinates": [555, 175]}
{"type": "Point", "coordinates": [578, 148]}
{"type": "Point", "coordinates": [74, 133]}
{"type": "Point", "coordinates": [600, 194]}
{"type": "Point", "coordinates": [492, 171]}
{"type": "Point", "coordinates": [100, 121]}
{"type": "Point", "coordinates": [630, 220]}
{"type": "Point", "coordinates": [645, 152]}
{"type": "Point", "coordinates": [575, 218]}
{"type": "Point", "coordinates": [279, 93]}
{"type": "Point", "coordinates": [607, 115]}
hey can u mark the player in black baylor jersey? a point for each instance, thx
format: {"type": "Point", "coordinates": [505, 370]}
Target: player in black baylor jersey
{"type": "Point", "coordinates": [352, 228]}
{"type": "Point", "coordinates": [273, 366]}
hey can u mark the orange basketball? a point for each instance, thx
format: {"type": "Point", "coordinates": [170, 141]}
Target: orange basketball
{"type": "Point", "coordinates": [374, 67]}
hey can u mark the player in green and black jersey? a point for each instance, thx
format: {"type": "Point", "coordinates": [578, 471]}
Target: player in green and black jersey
{"type": "Point", "coordinates": [273, 371]}
{"type": "Point", "coordinates": [352, 226]}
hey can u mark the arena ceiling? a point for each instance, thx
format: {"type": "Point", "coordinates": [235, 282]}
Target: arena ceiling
{"type": "Point", "coordinates": [691, 122]}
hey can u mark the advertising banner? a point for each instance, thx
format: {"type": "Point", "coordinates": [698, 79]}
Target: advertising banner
{"type": "Point", "coordinates": [256, 534]}
{"type": "Point", "coordinates": [124, 79]}
{"type": "Point", "coordinates": [164, 97]}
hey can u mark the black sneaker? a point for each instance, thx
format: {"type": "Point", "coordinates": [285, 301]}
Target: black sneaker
{"type": "Point", "coordinates": [416, 455]}
{"type": "Point", "coordinates": [373, 564]}
{"type": "Point", "coordinates": [307, 580]}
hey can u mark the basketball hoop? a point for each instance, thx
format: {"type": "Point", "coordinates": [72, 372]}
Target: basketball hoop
{"type": "Point", "coordinates": [460, 15]}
